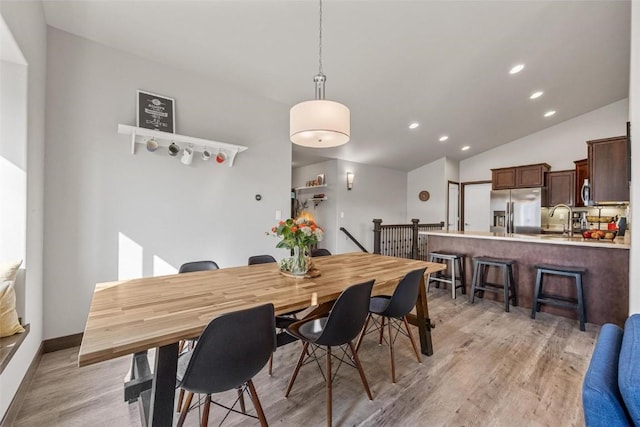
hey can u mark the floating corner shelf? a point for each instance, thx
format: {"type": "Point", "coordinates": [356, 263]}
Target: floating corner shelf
{"type": "Point", "coordinates": [141, 135]}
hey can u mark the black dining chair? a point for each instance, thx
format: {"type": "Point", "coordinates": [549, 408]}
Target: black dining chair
{"type": "Point", "coordinates": [338, 328]}
{"type": "Point", "coordinates": [393, 310]}
{"type": "Point", "coordinates": [190, 267]}
{"type": "Point", "coordinates": [320, 252]}
{"type": "Point", "coordinates": [233, 348]}
{"type": "Point", "coordinates": [282, 321]}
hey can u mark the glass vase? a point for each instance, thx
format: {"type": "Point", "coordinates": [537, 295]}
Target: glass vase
{"type": "Point", "coordinates": [299, 264]}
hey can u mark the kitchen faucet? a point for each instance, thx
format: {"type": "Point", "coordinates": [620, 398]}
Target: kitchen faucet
{"type": "Point", "coordinates": [569, 220]}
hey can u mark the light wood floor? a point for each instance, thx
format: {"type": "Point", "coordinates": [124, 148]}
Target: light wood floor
{"type": "Point", "coordinates": [490, 368]}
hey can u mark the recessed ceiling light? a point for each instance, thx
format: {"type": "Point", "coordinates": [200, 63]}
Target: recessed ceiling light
{"type": "Point", "coordinates": [535, 95]}
{"type": "Point", "coordinates": [516, 69]}
{"type": "Point", "coordinates": [465, 148]}
{"type": "Point", "coordinates": [414, 125]}
{"type": "Point", "coordinates": [443, 138]}
{"type": "Point", "coordinates": [549, 113]}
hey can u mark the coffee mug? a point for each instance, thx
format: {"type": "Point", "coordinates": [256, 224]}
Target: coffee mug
{"type": "Point", "coordinates": [221, 157]}
{"type": "Point", "coordinates": [174, 149]}
{"type": "Point", "coordinates": [206, 154]}
{"type": "Point", "coordinates": [152, 145]}
{"type": "Point", "coordinates": [187, 156]}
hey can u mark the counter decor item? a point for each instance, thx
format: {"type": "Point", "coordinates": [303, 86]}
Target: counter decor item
{"type": "Point", "coordinates": [297, 235]}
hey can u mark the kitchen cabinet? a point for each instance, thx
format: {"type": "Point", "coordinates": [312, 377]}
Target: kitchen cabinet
{"type": "Point", "coordinates": [582, 173]}
{"type": "Point", "coordinates": [561, 187]}
{"type": "Point", "coordinates": [526, 176]}
{"type": "Point", "coordinates": [503, 178]}
{"type": "Point", "coordinates": [609, 170]}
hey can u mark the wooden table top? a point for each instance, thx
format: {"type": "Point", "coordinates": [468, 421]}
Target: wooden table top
{"type": "Point", "coordinates": [129, 316]}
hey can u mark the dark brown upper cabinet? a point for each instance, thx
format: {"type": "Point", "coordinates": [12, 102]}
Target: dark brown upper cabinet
{"type": "Point", "coordinates": [561, 187]}
{"type": "Point", "coordinates": [609, 170]}
{"type": "Point", "coordinates": [519, 176]}
{"type": "Point", "coordinates": [582, 173]}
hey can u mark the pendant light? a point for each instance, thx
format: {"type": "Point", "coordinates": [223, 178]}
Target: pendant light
{"type": "Point", "coordinates": [319, 123]}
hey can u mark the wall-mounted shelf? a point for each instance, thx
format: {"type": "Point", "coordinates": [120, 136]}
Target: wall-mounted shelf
{"type": "Point", "coordinates": [141, 135]}
{"type": "Point", "coordinates": [309, 188]}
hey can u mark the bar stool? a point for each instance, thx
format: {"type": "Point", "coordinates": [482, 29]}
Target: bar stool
{"type": "Point", "coordinates": [508, 287]}
{"type": "Point", "coordinates": [454, 261]}
{"type": "Point", "coordinates": [539, 297]}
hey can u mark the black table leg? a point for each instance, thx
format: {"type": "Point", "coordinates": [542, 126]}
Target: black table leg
{"type": "Point", "coordinates": [164, 387]}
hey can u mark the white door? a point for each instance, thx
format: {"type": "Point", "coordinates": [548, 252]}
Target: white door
{"type": "Point", "coordinates": [477, 211]}
{"type": "Point", "coordinates": [453, 214]}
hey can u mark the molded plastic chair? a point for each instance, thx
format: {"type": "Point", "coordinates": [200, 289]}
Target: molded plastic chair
{"type": "Point", "coordinates": [261, 259]}
{"type": "Point", "coordinates": [190, 267]}
{"type": "Point", "coordinates": [342, 324]}
{"type": "Point", "coordinates": [394, 309]}
{"type": "Point", "coordinates": [320, 252]}
{"type": "Point", "coordinates": [282, 338]}
{"type": "Point", "coordinates": [233, 348]}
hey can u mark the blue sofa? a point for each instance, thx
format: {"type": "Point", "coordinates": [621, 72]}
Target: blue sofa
{"type": "Point", "coordinates": [611, 388]}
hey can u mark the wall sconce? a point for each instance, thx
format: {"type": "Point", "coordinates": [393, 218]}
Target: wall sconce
{"type": "Point", "coordinates": [350, 177]}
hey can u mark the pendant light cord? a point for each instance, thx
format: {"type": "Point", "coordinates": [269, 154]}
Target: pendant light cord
{"type": "Point", "coordinates": [320, 71]}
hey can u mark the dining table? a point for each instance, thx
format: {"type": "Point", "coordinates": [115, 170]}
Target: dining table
{"type": "Point", "coordinates": [133, 316]}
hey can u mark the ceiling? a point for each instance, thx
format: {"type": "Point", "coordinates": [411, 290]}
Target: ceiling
{"type": "Point", "coordinates": [444, 64]}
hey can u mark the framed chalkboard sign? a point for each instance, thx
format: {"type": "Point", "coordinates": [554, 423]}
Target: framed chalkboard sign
{"type": "Point", "coordinates": [156, 112]}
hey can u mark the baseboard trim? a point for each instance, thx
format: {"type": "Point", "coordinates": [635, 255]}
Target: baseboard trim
{"type": "Point", "coordinates": [11, 415]}
{"type": "Point", "coordinates": [61, 343]}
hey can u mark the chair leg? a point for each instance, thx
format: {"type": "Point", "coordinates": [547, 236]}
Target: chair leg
{"type": "Point", "coordinates": [205, 411]}
{"type": "Point", "coordinates": [363, 332]}
{"type": "Point", "coordinates": [474, 282]}
{"type": "Point", "coordinates": [393, 365]}
{"type": "Point", "coordinates": [185, 409]}
{"type": "Point", "coordinates": [535, 307]}
{"type": "Point", "coordinates": [256, 404]}
{"type": "Point", "coordinates": [270, 364]}
{"type": "Point", "coordinates": [507, 287]}
{"type": "Point", "coordinates": [381, 330]}
{"type": "Point", "coordinates": [356, 359]}
{"type": "Point", "coordinates": [463, 280]}
{"type": "Point", "coordinates": [295, 371]}
{"type": "Point", "coordinates": [328, 386]}
{"type": "Point", "coordinates": [513, 287]}
{"type": "Point", "coordinates": [413, 342]}
{"type": "Point", "coordinates": [241, 399]}
{"type": "Point", "coordinates": [180, 399]}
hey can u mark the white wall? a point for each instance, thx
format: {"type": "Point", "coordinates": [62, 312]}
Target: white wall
{"type": "Point", "coordinates": [111, 214]}
{"type": "Point", "coordinates": [432, 178]}
{"type": "Point", "coordinates": [325, 212]}
{"type": "Point", "coordinates": [634, 118]}
{"type": "Point", "coordinates": [558, 145]}
{"type": "Point", "coordinates": [377, 193]}
{"type": "Point", "coordinates": [26, 22]}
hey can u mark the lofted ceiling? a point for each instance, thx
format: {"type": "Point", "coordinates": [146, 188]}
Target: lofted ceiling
{"type": "Point", "coordinates": [444, 64]}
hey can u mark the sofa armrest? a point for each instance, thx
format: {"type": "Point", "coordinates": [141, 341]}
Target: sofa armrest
{"type": "Point", "coordinates": [629, 367]}
{"type": "Point", "coordinates": [601, 399]}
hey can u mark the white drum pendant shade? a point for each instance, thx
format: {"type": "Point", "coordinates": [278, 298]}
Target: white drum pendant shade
{"type": "Point", "coordinates": [319, 124]}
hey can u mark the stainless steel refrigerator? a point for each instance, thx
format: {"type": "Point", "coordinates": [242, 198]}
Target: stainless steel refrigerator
{"type": "Point", "coordinates": [516, 211]}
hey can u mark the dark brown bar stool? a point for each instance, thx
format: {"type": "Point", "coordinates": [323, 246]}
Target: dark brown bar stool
{"type": "Point", "coordinates": [508, 287]}
{"type": "Point", "coordinates": [539, 297]}
{"type": "Point", "coordinates": [454, 261]}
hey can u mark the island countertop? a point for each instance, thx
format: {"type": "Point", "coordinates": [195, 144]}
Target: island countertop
{"type": "Point", "coordinates": [554, 239]}
{"type": "Point", "coordinates": [605, 284]}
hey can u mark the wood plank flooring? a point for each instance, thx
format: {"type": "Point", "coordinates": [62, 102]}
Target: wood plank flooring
{"type": "Point", "coordinates": [490, 368]}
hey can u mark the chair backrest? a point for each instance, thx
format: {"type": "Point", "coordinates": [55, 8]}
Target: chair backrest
{"type": "Point", "coordinates": [232, 349]}
{"type": "Point", "coordinates": [405, 296]}
{"type": "Point", "coordinates": [320, 252]}
{"type": "Point", "coordinates": [190, 267]}
{"type": "Point", "coordinates": [347, 315]}
{"type": "Point", "coordinates": [261, 259]}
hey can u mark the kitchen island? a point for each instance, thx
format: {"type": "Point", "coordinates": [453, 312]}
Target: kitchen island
{"type": "Point", "coordinates": [606, 283]}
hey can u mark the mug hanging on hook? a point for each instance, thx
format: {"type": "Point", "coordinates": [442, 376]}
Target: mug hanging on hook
{"type": "Point", "coordinates": [221, 157]}
{"type": "Point", "coordinates": [174, 149]}
{"type": "Point", "coordinates": [187, 155]}
{"type": "Point", "coordinates": [206, 153]}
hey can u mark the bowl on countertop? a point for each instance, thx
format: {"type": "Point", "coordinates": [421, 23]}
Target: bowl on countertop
{"type": "Point", "coordinates": [602, 219]}
{"type": "Point", "coordinates": [599, 234]}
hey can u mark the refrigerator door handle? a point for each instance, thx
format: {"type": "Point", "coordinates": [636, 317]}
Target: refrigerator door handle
{"type": "Point", "coordinates": [512, 217]}
{"type": "Point", "coordinates": [507, 219]}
